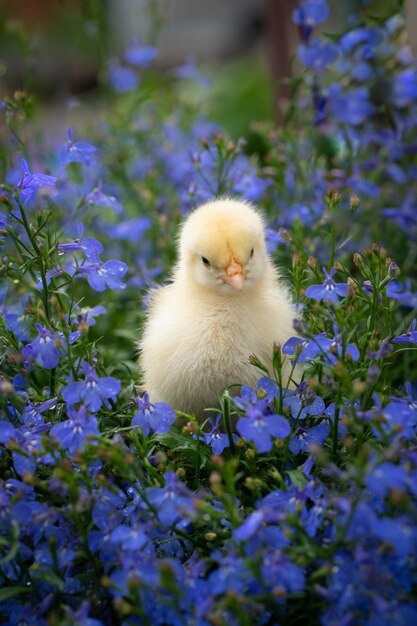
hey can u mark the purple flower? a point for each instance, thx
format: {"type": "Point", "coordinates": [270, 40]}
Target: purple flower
{"type": "Point", "coordinates": [75, 432]}
{"type": "Point", "coordinates": [76, 152]}
{"type": "Point", "coordinates": [259, 427]}
{"type": "Point", "coordinates": [409, 336]}
{"type": "Point", "coordinates": [217, 440]}
{"type": "Point", "coordinates": [329, 291]}
{"type": "Point", "coordinates": [101, 275]}
{"type": "Point", "coordinates": [404, 88]}
{"type": "Point", "coordinates": [156, 417]}
{"type": "Point", "coordinates": [122, 79]}
{"type": "Point", "coordinates": [172, 502]}
{"type": "Point", "coordinates": [141, 56]}
{"type": "Point", "coordinates": [317, 55]}
{"type": "Point", "coordinates": [29, 183]}
{"type": "Point", "coordinates": [93, 391]}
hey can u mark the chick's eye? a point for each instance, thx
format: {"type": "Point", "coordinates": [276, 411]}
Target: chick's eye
{"type": "Point", "coordinates": [205, 261]}
{"type": "Point", "coordinates": [251, 253]}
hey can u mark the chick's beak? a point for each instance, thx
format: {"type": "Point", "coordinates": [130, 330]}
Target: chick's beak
{"type": "Point", "coordinates": [234, 275]}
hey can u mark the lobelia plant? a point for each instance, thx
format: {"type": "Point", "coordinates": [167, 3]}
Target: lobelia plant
{"type": "Point", "coordinates": [291, 504]}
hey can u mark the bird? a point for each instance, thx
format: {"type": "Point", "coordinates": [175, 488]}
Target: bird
{"type": "Point", "coordinates": [226, 302]}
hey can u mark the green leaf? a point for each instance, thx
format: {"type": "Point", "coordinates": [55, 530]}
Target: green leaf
{"type": "Point", "coordinates": [297, 477]}
{"type": "Point", "coordinates": [50, 577]}
{"type": "Point", "coordinates": [10, 592]}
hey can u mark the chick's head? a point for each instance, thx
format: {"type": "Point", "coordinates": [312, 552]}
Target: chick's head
{"type": "Point", "coordinates": [222, 246]}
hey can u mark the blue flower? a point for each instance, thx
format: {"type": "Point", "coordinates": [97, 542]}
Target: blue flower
{"type": "Point", "coordinates": [304, 402]}
{"type": "Point", "coordinates": [141, 56]}
{"type": "Point", "coordinates": [308, 15]}
{"type": "Point", "coordinates": [351, 107]}
{"type": "Point", "coordinates": [329, 291]}
{"type": "Point", "coordinates": [29, 183]}
{"type": "Point", "coordinates": [33, 413]}
{"type": "Point", "coordinates": [30, 440]}
{"type": "Point", "coordinates": [93, 391]}
{"type": "Point", "coordinates": [7, 431]}
{"type": "Point", "coordinates": [47, 348]}
{"type": "Point", "coordinates": [279, 572]}
{"type": "Point", "coordinates": [384, 477]}
{"type": "Point", "coordinates": [303, 438]}
{"type": "Point", "coordinates": [157, 417]}
{"type": "Point", "coordinates": [189, 70]}
{"type": "Point", "coordinates": [172, 502]}
{"type": "Point", "coordinates": [99, 198]}
{"type": "Point", "coordinates": [92, 248]}
{"type": "Point", "coordinates": [353, 38]}
{"type": "Point", "coordinates": [130, 230]}
{"type": "Point", "coordinates": [101, 275]}
{"type": "Point", "coordinates": [80, 616]}
{"type": "Point", "coordinates": [216, 439]}
{"type": "Point", "coordinates": [259, 427]}
{"type": "Point", "coordinates": [75, 432]}
{"type": "Point", "coordinates": [88, 315]}
{"type": "Point", "coordinates": [331, 349]}
{"type": "Point", "coordinates": [401, 415]}
{"type": "Point", "coordinates": [251, 187]}
{"type": "Point", "coordinates": [76, 152]}
{"type": "Point", "coordinates": [405, 215]}
{"type": "Point", "coordinates": [122, 79]}
{"type": "Point", "coordinates": [409, 336]}
{"type": "Point", "coordinates": [402, 293]}
{"type": "Point", "coordinates": [3, 226]}
{"type": "Point", "coordinates": [404, 88]}
{"type": "Point", "coordinates": [317, 55]}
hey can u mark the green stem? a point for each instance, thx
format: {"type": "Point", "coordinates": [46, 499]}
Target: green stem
{"type": "Point", "coordinates": [38, 251]}
{"type": "Point", "coordinates": [335, 430]}
{"type": "Point", "coordinates": [226, 418]}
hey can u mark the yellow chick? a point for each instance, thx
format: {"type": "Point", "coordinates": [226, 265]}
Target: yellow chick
{"type": "Point", "coordinates": [225, 303]}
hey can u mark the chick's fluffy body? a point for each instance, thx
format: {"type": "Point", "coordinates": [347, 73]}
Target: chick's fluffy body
{"type": "Point", "coordinates": [201, 330]}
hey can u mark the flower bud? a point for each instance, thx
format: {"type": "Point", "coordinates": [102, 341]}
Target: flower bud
{"type": "Point", "coordinates": [354, 202]}
{"type": "Point", "coordinates": [285, 235]}
{"type": "Point", "coordinates": [357, 259]}
{"type": "Point", "coordinates": [373, 374]}
{"type": "Point", "coordinates": [393, 270]}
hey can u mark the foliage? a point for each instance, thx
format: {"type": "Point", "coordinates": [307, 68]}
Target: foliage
{"type": "Point", "coordinates": [291, 505]}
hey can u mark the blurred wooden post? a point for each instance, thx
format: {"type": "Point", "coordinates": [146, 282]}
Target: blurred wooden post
{"type": "Point", "coordinates": [280, 40]}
